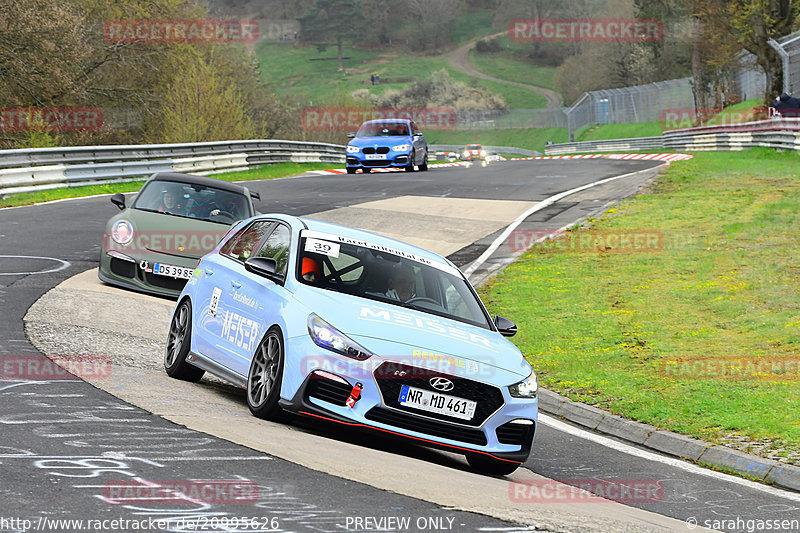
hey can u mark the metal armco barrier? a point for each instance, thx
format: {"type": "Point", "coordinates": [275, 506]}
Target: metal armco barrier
{"type": "Point", "coordinates": [46, 168]}
{"type": "Point", "coordinates": [611, 145]}
{"type": "Point", "coordinates": [778, 133]}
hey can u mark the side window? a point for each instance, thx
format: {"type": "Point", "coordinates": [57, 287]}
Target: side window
{"type": "Point", "coordinates": [277, 247]}
{"type": "Point", "coordinates": [240, 246]}
{"type": "Point", "coordinates": [415, 128]}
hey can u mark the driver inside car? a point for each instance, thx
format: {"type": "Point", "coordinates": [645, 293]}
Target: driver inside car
{"type": "Point", "coordinates": [401, 284]}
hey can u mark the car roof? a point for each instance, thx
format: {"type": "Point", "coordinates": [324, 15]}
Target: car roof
{"type": "Point", "coordinates": [374, 238]}
{"type": "Point", "coordinates": [384, 120]}
{"type": "Point", "coordinates": [200, 180]}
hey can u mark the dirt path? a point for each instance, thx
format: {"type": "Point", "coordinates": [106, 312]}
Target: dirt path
{"type": "Point", "coordinates": [459, 59]}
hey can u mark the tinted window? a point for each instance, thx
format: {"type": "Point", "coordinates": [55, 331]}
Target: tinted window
{"type": "Point", "coordinates": [383, 129]}
{"type": "Point", "coordinates": [241, 245]}
{"type": "Point", "coordinates": [277, 247]}
{"type": "Point", "coordinates": [193, 201]}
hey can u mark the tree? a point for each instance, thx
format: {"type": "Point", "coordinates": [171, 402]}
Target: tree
{"type": "Point", "coordinates": [331, 21]}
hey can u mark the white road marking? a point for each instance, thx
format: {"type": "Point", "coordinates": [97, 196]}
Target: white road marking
{"type": "Point", "coordinates": [538, 207]}
{"type": "Point", "coordinates": [669, 461]}
{"type": "Point", "coordinates": [64, 264]}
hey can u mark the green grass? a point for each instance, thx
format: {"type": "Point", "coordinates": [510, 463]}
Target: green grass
{"type": "Point", "coordinates": [289, 71]}
{"type": "Point", "coordinates": [620, 131]}
{"type": "Point", "coordinates": [507, 65]}
{"type": "Point", "coordinates": [608, 328]}
{"type": "Point", "coordinates": [277, 170]}
{"type": "Point", "coordinates": [532, 139]}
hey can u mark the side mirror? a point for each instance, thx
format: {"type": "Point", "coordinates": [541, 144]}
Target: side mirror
{"type": "Point", "coordinates": [265, 267]}
{"type": "Point", "coordinates": [118, 200]}
{"type": "Point", "coordinates": [351, 135]}
{"type": "Point", "coordinates": [506, 327]}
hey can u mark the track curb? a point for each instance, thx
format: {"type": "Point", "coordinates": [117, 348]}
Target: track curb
{"type": "Point", "coordinates": [769, 471]}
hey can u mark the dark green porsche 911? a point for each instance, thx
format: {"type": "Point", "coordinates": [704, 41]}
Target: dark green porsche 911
{"type": "Point", "coordinates": [155, 243]}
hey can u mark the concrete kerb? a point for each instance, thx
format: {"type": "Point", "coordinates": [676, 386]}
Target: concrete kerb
{"type": "Point", "coordinates": [772, 472]}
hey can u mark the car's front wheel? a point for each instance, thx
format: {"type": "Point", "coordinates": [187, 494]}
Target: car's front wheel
{"type": "Point", "coordinates": [350, 170]}
{"type": "Point", "coordinates": [410, 166]}
{"type": "Point", "coordinates": [179, 340]}
{"type": "Point", "coordinates": [492, 467]}
{"type": "Point", "coordinates": [264, 378]}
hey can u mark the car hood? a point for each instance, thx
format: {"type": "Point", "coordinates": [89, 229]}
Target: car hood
{"type": "Point", "coordinates": [188, 238]}
{"type": "Point", "coordinates": [419, 338]}
{"type": "Point", "coordinates": [381, 140]}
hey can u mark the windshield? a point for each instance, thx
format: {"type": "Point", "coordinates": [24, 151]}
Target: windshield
{"type": "Point", "coordinates": [473, 147]}
{"type": "Point", "coordinates": [383, 129]}
{"type": "Point", "coordinates": [388, 276]}
{"type": "Point", "coordinates": [193, 201]}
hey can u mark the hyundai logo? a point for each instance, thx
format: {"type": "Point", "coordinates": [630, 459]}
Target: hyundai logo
{"type": "Point", "coordinates": [441, 384]}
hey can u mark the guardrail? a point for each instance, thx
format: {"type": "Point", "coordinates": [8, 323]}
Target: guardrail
{"type": "Point", "coordinates": [610, 145]}
{"type": "Point", "coordinates": [779, 133]}
{"type": "Point", "coordinates": [34, 169]}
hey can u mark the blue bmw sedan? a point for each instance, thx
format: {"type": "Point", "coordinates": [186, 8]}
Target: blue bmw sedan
{"type": "Point", "coordinates": [387, 143]}
{"type": "Point", "coordinates": [353, 328]}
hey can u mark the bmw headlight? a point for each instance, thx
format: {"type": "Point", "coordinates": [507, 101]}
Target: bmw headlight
{"type": "Point", "coordinates": [122, 232]}
{"type": "Point", "coordinates": [526, 388]}
{"type": "Point", "coordinates": [353, 149]}
{"type": "Point", "coordinates": [326, 336]}
{"type": "Point", "coordinates": [401, 148]}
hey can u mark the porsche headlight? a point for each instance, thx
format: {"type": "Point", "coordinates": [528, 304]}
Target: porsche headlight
{"type": "Point", "coordinates": [353, 149]}
{"type": "Point", "coordinates": [326, 336]}
{"type": "Point", "coordinates": [526, 388]}
{"type": "Point", "coordinates": [401, 148]}
{"type": "Point", "coordinates": [122, 232]}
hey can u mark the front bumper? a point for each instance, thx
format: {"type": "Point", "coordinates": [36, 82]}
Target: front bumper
{"type": "Point", "coordinates": [123, 270]}
{"type": "Point", "coordinates": [391, 159]}
{"type": "Point", "coordinates": [324, 391]}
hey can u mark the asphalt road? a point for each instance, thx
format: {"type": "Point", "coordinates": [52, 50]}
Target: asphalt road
{"type": "Point", "coordinates": [64, 444]}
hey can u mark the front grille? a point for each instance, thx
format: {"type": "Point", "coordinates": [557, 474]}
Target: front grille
{"type": "Point", "coordinates": [375, 163]}
{"type": "Point", "coordinates": [391, 376]}
{"type": "Point", "coordinates": [515, 434]}
{"type": "Point", "coordinates": [165, 282]}
{"type": "Point", "coordinates": [123, 268]}
{"type": "Point", "coordinates": [428, 427]}
{"type": "Point", "coordinates": [379, 150]}
{"type": "Point", "coordinates": [328, 390]}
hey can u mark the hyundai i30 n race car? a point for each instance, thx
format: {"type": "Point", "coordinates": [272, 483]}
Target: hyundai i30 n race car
{"type": "Point", "coordinates": [354, 328]}
{"type": "Point", "coordinates": [154, 244]}
{"type": "Point", "coordinates": [387, 143]}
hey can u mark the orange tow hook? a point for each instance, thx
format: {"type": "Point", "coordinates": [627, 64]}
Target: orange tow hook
{"type": "Point", "coordinates": [355, 395]}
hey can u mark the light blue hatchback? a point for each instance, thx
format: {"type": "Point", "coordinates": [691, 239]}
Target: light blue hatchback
{"type": "Point", "coordinates": [350, 327]}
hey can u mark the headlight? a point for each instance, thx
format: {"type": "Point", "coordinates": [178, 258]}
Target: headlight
{"type": "Point", "coordinates": [466, 153]}
{"type": "Point", "coordinates": [353, 149]}
{"type": "Point", "coordinates": [122, 232]}
{"type": "Point", "coordinates": [330, 338]}
{"type": "Point", "coordinates": [526, 388]}
{"type": "Point", "coordinates": [483, 153]}
{"type": "Point", "coordinates": [401, 148]}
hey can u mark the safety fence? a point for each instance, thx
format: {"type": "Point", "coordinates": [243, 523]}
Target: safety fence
{"type": "Point", "coordinates": [32, 169]}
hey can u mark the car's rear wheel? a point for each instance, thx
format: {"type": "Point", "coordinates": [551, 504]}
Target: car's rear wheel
{"type": "Point", "coordinates": [410, 166]}
{"type": "Point", "coordinates": [424, 166]}
{"type": "Point", "coordinates": [264, 378]}
{"type": "Point", "coordinates": [492, 467]}
{"type": "Point", "coordinates": [179, 340]}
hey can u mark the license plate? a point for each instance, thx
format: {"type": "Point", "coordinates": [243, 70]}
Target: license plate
{"type": "Point", "coordinates": [374, 156]}
{"type": "Point", "coordinates": [435, 402]}
{"type": "Point", "coordinates": [173, 271]}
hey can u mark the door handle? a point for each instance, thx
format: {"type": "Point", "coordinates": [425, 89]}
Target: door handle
{"type": "Point", "coordinates": [236, 284]}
